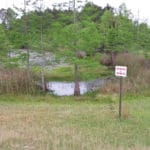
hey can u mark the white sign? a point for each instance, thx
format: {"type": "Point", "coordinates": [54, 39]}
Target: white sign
{"type": "Point", "coordinates": [120, 71]}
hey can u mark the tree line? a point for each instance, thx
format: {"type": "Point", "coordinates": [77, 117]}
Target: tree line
{"type": "Point", "coordinates": [98, 29]}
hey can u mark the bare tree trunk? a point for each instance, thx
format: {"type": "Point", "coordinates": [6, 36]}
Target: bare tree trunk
{"type": "Point", "coordinates": [41, 44]}
{"type": "Point", "coordinates": [28, 62]}
{"type": "Point", "coordinates": [43, 80]}
{"type": "Point", "coordinates": [26, 47]}
{"type": "Point", "coordinates": [112, 58]}
{"type": "Point", "coordinates": [76, 80]}
{"type": "Point", "coordinates": [77, 86]}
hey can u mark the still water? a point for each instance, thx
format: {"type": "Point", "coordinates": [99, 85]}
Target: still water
{"type": "Point", "coordinates": [67, 88]}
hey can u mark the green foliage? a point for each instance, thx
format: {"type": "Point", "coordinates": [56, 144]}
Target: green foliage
{"type": "Point", "coordinates": [118, 31]}
{"type": "Point", "coordinates": [53, 30]}
{"type": "Point", "coordinates": [86, 42]}
{"type": "Point", "coordinates": [3, 39]}
{"type": "Point", "coordinates": [91, 12]}
{"type": "Point", "coordinates": [95, 27]}
{"type": "Point", "coordinates": [142, 37]}
{"type": "Point", "coordinates": [89, 69]}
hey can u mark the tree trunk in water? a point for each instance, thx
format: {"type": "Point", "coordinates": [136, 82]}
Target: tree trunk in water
{"type": "Point", "coordinates": [28, 62]}
{"type": "Point", "coordinates": [76, 81]}
{"type": "Point", "coordinates": [77, 86]}
{"type": "Point", "coordinates": [43, 81]}
{"type": "Point", "coordinates": [42, 72]}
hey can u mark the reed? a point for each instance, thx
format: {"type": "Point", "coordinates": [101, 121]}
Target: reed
{"type": "Point", "coordinates": [16, 81]}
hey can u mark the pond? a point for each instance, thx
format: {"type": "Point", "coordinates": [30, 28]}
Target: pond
{"type": "Point", "coordinates": [67, 88]}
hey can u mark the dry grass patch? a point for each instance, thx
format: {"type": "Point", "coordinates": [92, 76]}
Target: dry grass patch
{"type": "Point", "coordinates": [138, 74]}
{"type": "Point", "coordinates": [81, 125]}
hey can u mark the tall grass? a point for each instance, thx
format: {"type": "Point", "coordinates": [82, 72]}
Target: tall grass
{"type": "Point", "coordinates": [16, 82]}
{"type": "Point", "coordinates": [138, 74]}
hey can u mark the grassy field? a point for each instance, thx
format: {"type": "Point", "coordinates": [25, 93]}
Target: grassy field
{"type": "Point", "coordinates": [68, 123]}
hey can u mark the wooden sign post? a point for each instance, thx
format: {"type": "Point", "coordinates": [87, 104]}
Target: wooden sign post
{"type": "Point", "coordinates": [120, 71]}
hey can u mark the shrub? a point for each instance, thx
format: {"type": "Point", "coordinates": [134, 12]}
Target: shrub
{"type": "Point", "coordinates": [106, 60]}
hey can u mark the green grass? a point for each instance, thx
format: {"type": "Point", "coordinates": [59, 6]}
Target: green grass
{"type": "Point", "coordinates": [73, 123]}
{"type": "Point", "coordinates": [89, 69]}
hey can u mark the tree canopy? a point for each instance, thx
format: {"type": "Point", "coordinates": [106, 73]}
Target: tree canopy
{"type": "Point", "coordinates": [113, 29]}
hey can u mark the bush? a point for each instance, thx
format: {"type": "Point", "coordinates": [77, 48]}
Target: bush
{"type": "Point", "coordinates": [106, 60]}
